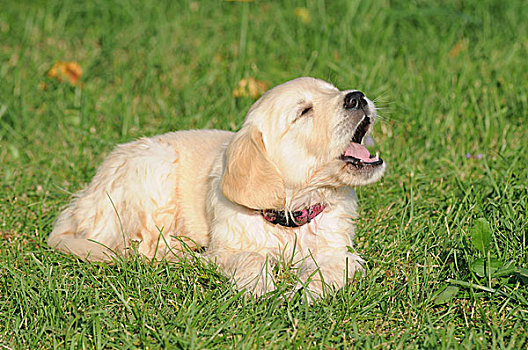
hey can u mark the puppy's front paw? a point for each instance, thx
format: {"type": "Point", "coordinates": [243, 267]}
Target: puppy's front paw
{"type": "Point", "coordinates": [354, 264]}
{"type": "Point", "coordinates": [249, 271]}
{"type": "Point", "coordinates": [255, 285]}
{"type": "Point", "coordinates": [326, 273]}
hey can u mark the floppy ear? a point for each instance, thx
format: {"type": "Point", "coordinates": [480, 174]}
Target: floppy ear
{"type": "Point", "coordinates": [250, 178]}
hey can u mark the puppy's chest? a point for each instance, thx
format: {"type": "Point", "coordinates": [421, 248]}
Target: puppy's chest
{"type": "Point", "coordinates": [324, 231]}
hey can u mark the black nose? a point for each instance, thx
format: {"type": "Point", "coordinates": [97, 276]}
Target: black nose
{"type": "Point", "coordinates": [355, 100]}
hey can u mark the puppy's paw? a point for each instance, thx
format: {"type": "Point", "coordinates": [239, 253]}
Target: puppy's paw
{"type": "Point", "coordinates": [326, 274]}
{"type": "Point", "coordinates": [354, 264]}
{"type": "Point", "coordinates": [307, 294]}
{"type": "Point", "coordinates": [249, 271]}
{"type": "Point", "coordinates": [256, 286]}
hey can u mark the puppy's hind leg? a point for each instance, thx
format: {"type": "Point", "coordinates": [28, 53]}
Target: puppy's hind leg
{"type": "Point", "coordinates": [132, 197]}
{"type": "Point", "coordinates": [63, 238]}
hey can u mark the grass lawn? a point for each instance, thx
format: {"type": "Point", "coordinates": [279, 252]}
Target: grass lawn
{"type": "Point", "coordinates": [444, 232]}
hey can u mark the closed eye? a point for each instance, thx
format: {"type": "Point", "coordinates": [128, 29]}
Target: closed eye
{"type": "Point", "coordinates": [306, 110]}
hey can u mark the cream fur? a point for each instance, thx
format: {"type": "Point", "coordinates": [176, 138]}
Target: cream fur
{"type": "Point", "coordinates": [205, 188]}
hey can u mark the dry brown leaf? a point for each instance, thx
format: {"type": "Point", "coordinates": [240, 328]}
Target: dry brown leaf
{"type": "Point", "coordinates": [66, 71]}
{"type": "Point", "coordinates": [194, 6]}
{"type": "Point", "coordinates": [42, 86]}
{"type": "Point", "coordinates": [251, 87]}
{"type": "Point", "coordinates": [303, 14]}
{"type": "Point", "coordinates": [457, 48]}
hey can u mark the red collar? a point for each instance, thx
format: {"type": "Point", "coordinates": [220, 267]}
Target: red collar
{"type": "Point", "coordinates": [296, 219]}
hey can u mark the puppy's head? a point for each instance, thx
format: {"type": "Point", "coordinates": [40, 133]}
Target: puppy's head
{"type": "Point", "coordinates": [303, 134]}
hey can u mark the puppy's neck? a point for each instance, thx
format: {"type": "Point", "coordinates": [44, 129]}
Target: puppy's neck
{"type": "Point", "coordinates": [303, 197]}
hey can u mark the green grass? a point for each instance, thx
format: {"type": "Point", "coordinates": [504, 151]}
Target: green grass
{"type": "Point", "coordinates": [451, 78]}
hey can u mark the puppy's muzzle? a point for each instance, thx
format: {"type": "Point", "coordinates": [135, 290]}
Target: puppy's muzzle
{"type": "Point", "coordinates": [355, 100]}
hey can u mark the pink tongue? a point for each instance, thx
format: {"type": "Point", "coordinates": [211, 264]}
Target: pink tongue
{"type": "Point", "coordinates": [358, 151]}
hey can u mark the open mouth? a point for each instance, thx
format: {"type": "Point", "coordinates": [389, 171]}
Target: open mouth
{"type": "Point", "coordinates": [358, 155]}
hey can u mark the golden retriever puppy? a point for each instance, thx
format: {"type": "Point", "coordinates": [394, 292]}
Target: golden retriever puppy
{"type": "Point", "coordinates": [280, 188]}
